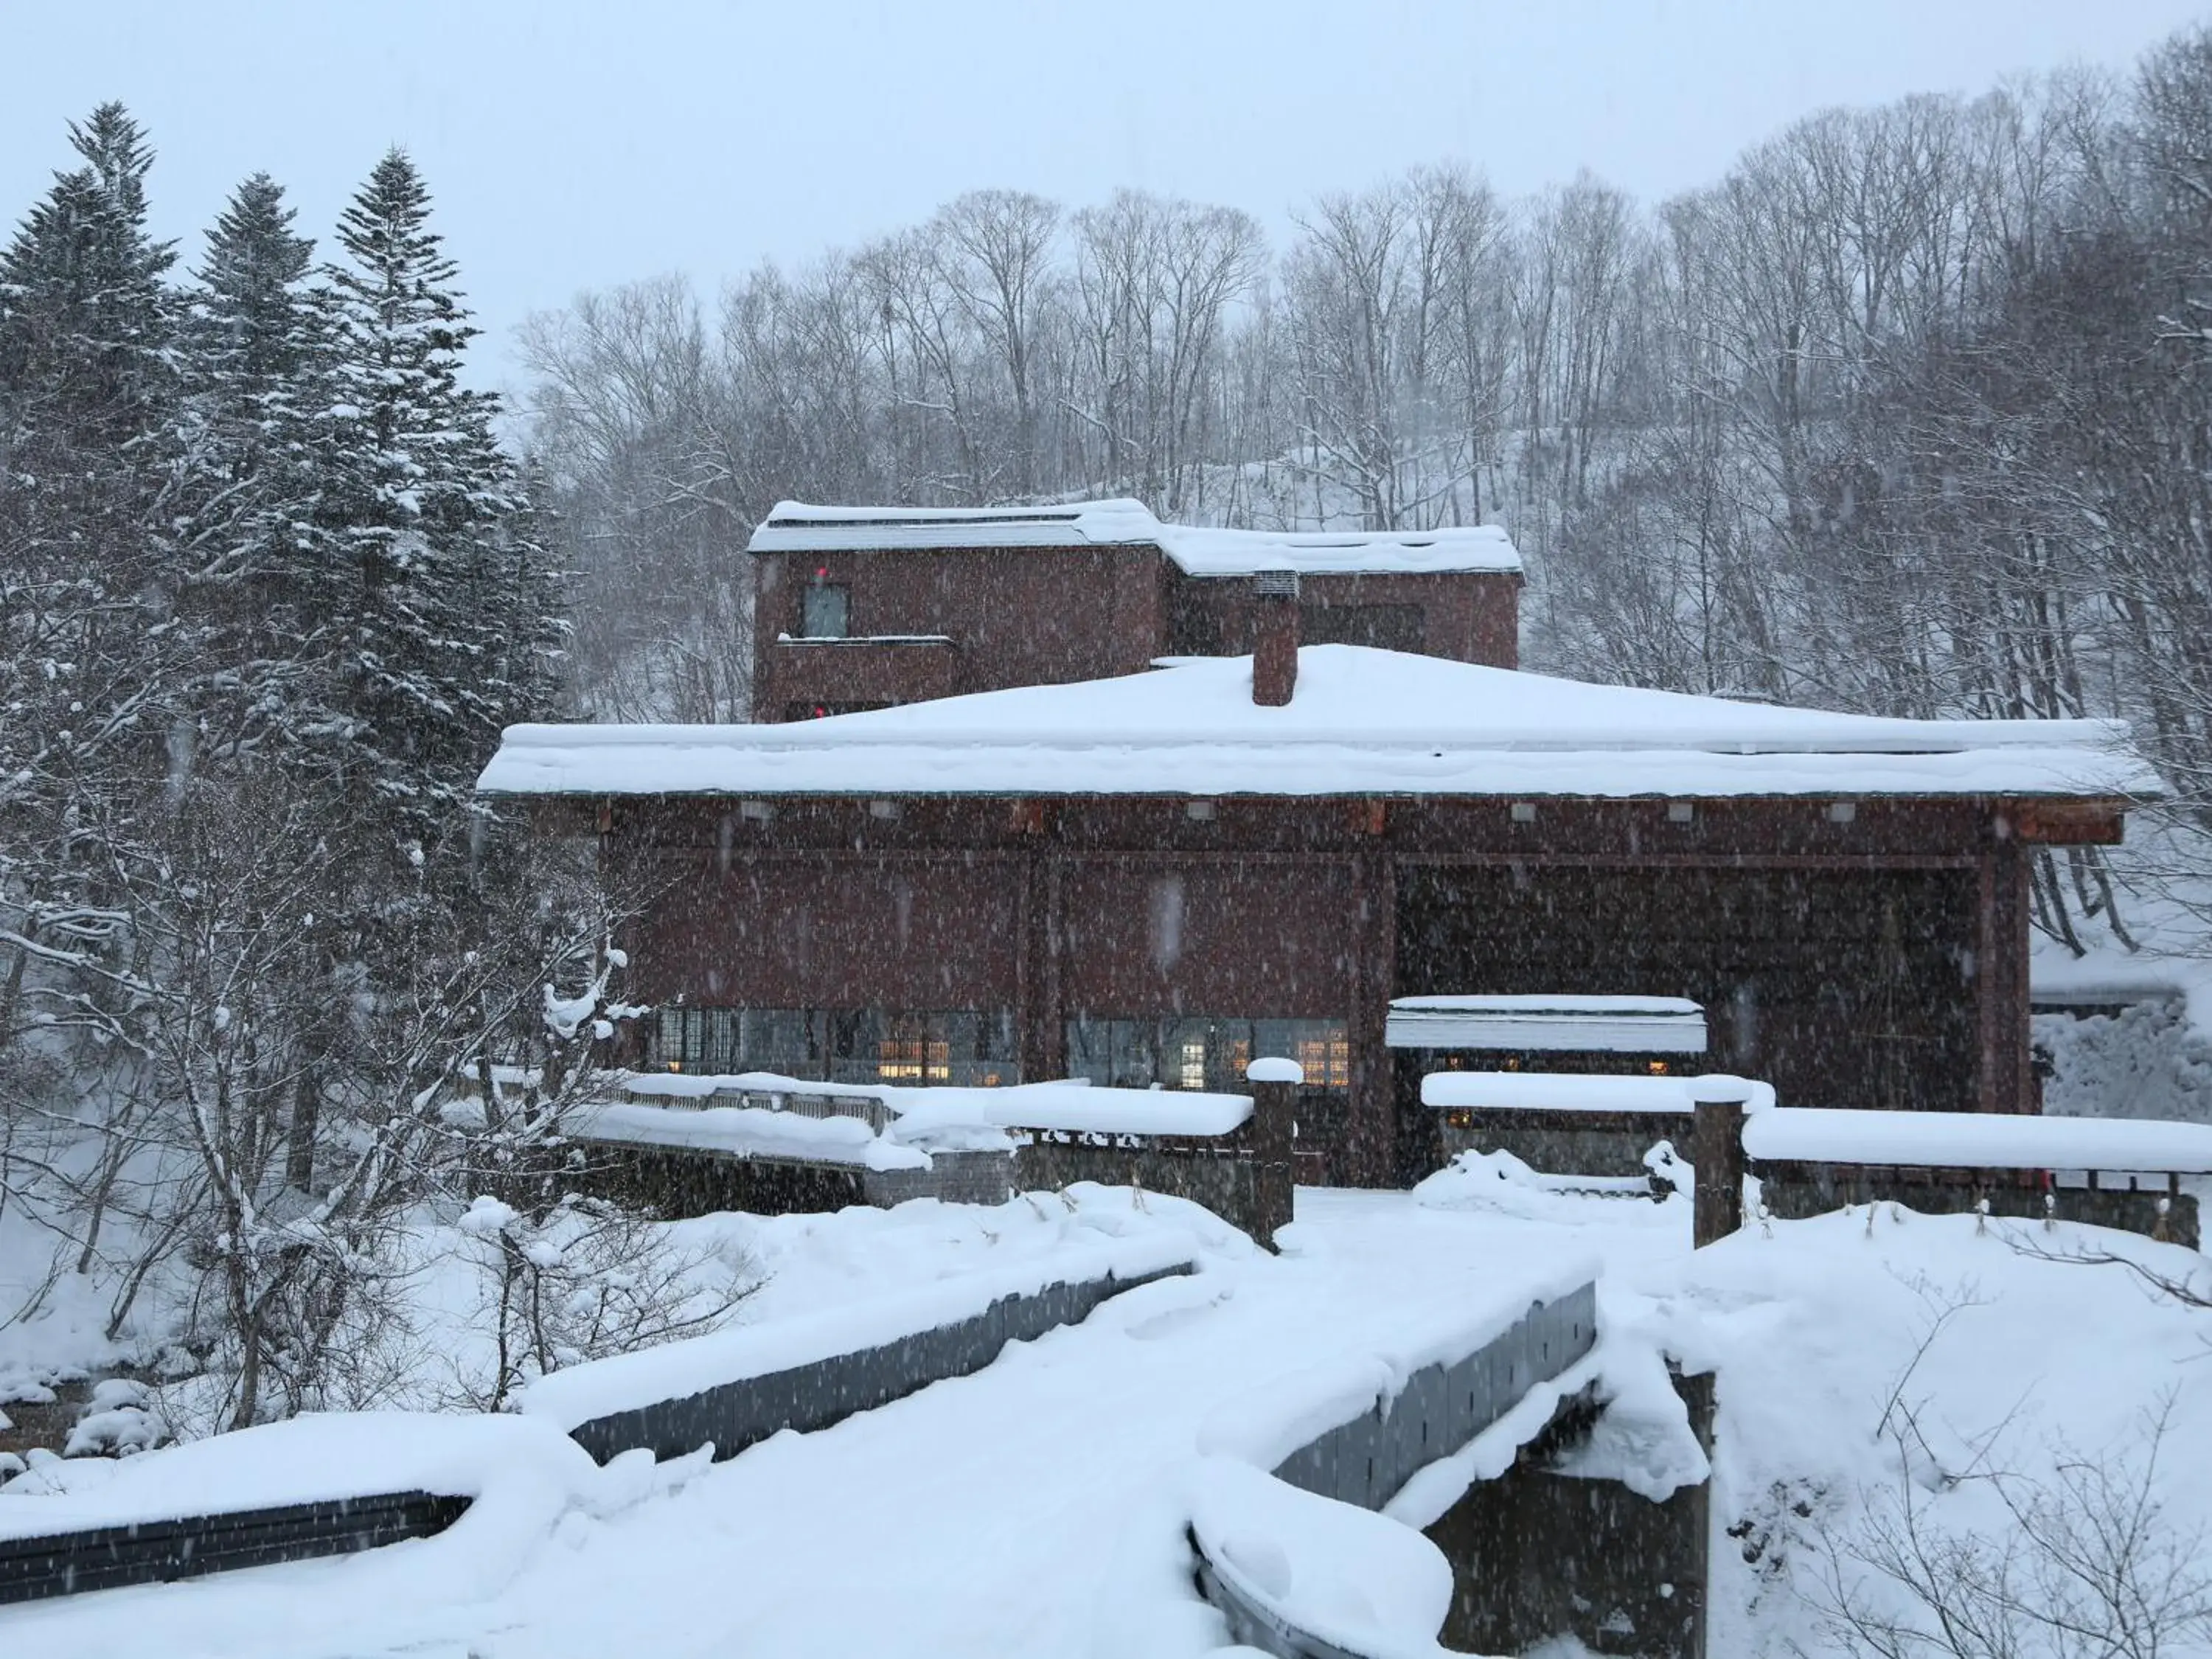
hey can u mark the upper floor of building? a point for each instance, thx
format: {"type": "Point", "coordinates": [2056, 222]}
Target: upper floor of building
{"type": "Point", "coordinates": [860, 608]}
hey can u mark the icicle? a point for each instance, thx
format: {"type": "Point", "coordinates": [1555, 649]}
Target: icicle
{"type": "Point", "coordinates": [1873, 1210]}
{"type": "Point", "coordinates": [2050, 1212]}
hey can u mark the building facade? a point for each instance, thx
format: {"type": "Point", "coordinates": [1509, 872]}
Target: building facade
{"type": "Point", "coordinates": [1152, 875]}
{"type": "Point", "coordinates": [859, 609]}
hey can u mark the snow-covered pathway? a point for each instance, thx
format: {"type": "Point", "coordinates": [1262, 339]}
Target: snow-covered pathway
{"type": "Point", "coordinates": [1004, 1513]}
{"type": "Point", "coordinates": [1030, 1509]}
{"type": "Point", "coordinates": [1036, 1508]}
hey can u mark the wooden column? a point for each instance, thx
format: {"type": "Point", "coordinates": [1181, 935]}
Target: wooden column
{"type": "Point", "coordinates": [2004, 1075]}
{"type": "Point", "coordinates": [1040, 1030]}
{"type": "Point", "coordinates": [1716, 1151]}
{"type": "Point", "coordinates": [1274, 1084]}
{"type": "Point", "coordinates": [1370, 1135]}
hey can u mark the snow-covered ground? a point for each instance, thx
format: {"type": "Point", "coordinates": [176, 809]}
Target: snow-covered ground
{"type": "Point", "coordinates": [1038, 1508]}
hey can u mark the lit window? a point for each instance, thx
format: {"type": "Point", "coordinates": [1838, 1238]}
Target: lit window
{"type": "Point", "coordinates": [1326, 1058]}
{"type": "Point", "coordinates": [1193, 1071]}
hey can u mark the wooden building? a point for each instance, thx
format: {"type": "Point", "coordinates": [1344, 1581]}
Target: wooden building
{"type": "Point", "coordinates": [860, 608]}
{"type": "Point", "coordinates": [1153, 874]}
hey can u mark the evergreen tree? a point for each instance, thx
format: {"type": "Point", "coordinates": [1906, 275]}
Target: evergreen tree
{"type": "Point", "coordinates": [428, 519]}
{"type": "Point", "coordinates": [255, 373]}
{"type": "Point", "coordinates": [84, 315]}
{"type": "Point", "coordinates": [90, 658]}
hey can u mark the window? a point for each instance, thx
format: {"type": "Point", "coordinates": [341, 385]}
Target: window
{"type": "Point", "coordinates": [825, 611]}
{"type": "Point", "coordinates": [843, 1045]}
{"type": "Point", "coordinates": [1208, 1053]}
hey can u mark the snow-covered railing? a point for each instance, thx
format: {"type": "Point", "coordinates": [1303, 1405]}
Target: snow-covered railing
{"type": "Point", "coordinates": [1230, 1153]}
{"type": "Point", "coordinates": [1561, 1091]}
{"type": "Point", "coordinates": [2115, 1172]}
{"type": "Point", "coordinates": [736, 1388]}
{"type": "Point", "coordinates": [912, 1113]}
{"type": "Point", "coordinates": [1310, 1492]}
{"type": "Point", "coordinates": [327, 1484]}
{"type": "Point", "coordinates": [1712, 1108]}
{"type": "Point", "coordinates": [1978, 1141]}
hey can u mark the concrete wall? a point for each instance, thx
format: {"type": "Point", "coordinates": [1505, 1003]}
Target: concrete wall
{"type": "Point", "coordinates": [1366, 1461]}
{"type": "Point", "coordinates": [808, 1397]}
{"type": "Point", "coordinates": [1538, 1554]}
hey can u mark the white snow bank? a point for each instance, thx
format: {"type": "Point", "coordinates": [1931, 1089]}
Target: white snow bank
{"type": "Point", "coordinates": [697, 1085]}
{"type": "Point", "coordinates": [1363, 1582]}
{"type": "Point", "coordinates": [1560, 1091]}
{"type": "Point", "coordinates": [1499, 1182]}
{"type": "Point", "coordinates": [1361, 721]}
{"type": "Point", "coordinates": [1074, 1106]}
{"type": "Point", "coordinates": [1267, 1424]}
{"type": "Point", "coordinates": [1274, 1070]}
{"type": "Point", "coordinates": [679, 1369]}
{"type": "Point", "coordinates": [525, 1464]}
{"type": "Point", "coordinates": [747, 1132]}
{"type": "Point", "coordinates": [1977, 1140]}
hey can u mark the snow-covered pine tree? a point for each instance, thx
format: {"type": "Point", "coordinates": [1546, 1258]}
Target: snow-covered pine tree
{"type": "Point", "coordinates": [254, 372]}
{"type": "Point", "coordinates": [89, 659]}
{"type": "Point", "coordinates": [424, 520]}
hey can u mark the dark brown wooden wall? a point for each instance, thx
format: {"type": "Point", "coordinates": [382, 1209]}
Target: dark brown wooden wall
{"type": "Point", "coordinates": [1018, 616]}
{"type": "Point", "coordinates": [1879, 960]}
{"type": "Point", "coordinates": [834, 931]}
{"type": "Point", "coordinates": [1048, 616]}
{"type": "Point", "coordinates": [1469, 617]}
{"type": "Point", "coordinates": [1841, 987]}
{"type": "Point", "coordinates": [1214, 937]}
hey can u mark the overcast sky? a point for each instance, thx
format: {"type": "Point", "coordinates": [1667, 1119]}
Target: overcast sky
{"type": "Point", "coordinates": [571, 145]}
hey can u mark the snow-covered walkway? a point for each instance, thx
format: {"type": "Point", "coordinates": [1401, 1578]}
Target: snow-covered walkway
{"type": "Point", "coordinates": [1026, 1510]}
{"type": "Point", "coordinates": [1037, 1507]}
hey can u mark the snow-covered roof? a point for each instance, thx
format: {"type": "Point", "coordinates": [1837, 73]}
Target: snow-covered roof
{"type": "Point", "coordinates": [1361, 722]}
{"type": "Point", "coordinates": [1559, 1025]}
{"type": "Point", "coordinates": [797, 527]}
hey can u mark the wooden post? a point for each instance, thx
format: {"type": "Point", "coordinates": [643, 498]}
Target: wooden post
{"type": "Point", "coordinates": [1274, 1084]}
{"type": "Point", "coordinates": [1716, 1150]}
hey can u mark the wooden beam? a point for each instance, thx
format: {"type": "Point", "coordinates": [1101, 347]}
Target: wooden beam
{"type": "Point", "coordinates": [2072, 823]}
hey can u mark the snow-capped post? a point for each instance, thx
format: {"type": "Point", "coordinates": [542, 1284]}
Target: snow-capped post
{"type": "Point", "coordinates": [1717, 1140]}
{"type": "Point", "coordinates": [1274, 636]}
{"type": "Point", "coordinates": [1274, 1084]}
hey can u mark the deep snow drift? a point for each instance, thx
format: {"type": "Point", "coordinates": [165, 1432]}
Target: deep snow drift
{"type": "Point", "coordinates": [1039, 1507]}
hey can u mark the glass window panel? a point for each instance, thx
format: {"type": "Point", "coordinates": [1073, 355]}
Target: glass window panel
{"type": "Point", "coordinates": [825, 612]}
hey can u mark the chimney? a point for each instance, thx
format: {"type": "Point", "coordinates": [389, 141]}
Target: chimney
{"type": "Point", "coordinates": [1274, 636]}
